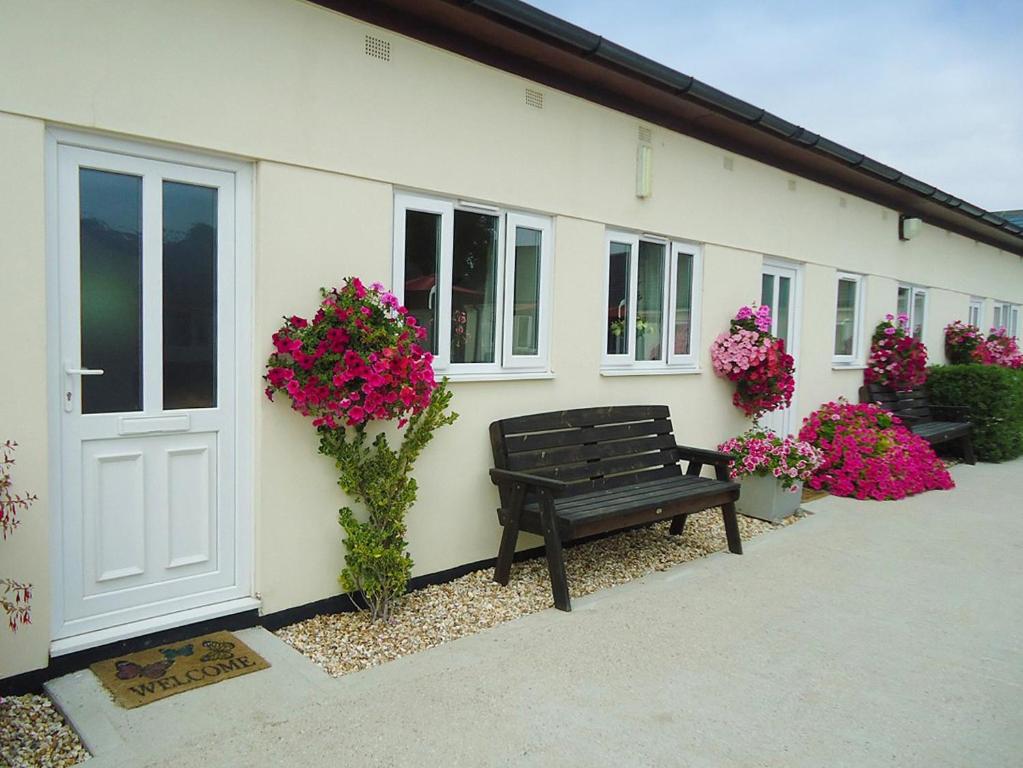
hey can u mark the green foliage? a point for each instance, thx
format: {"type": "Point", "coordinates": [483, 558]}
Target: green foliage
{"type": "Point", "coordinates": [379, 477]}
{"type": "Point", "coordinates": [993, 397]}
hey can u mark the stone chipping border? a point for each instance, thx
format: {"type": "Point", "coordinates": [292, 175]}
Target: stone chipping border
{"type": "Point", "coordinates": [346, 642]}
{"type": "Point", "coordinates": [33, 734]}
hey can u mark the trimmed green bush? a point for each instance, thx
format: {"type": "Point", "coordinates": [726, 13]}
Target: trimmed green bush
{"type": "Point", "coordinates": [993, 397]}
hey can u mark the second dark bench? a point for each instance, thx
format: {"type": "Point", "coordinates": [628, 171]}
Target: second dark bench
{"type": "Point", "coordinates": [936, 424]}
{"type": "Point", "coordinates": [569, 474]}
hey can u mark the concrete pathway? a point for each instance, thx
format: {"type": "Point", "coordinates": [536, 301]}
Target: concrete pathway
{"type": "Point", "coordinates": [869, 634]}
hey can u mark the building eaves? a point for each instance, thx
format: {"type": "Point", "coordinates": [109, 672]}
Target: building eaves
{"type": "Point", "coordinates": [519, 38]}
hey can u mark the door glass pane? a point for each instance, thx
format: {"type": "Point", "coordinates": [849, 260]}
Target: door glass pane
{"type": "Point", "coordinates": [845, 317]}
{"type": "Point", "coordinates": [526, 293]}
{"type": "Point", "coordinates": [650, 301]}
{"type": "Point", "coordinates": [189, 296]}
{"type": "Point", "coordinates": [422, 252]}
{"type": "Point", "coordinates": [683, 304]}
{"type": "Point", "coordinates": [618, 299]}
{"type": "Point", "coordinates": [767, 291]}
{"type": "Point", "coordinates": [110, 230]}
{"type": "Point", "coordinates": [474, 288]}
{"type": "Point", "coordinates": [781, 315]}
{"type": "Point", "coordinates": [919, 302]}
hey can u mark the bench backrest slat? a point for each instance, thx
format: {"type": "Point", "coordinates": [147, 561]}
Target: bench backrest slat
{"type": "Point", "coordinates": [912, 403]}
{"type": "Point", "coordinates": [590, 448]}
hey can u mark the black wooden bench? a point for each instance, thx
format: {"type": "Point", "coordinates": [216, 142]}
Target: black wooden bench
{"type": "Point", "coordinates": [922, 418]}
{"type": "Point", "coordinates": [569, 474]}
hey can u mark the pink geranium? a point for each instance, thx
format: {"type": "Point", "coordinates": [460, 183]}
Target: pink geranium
{"type": "Point", "coordinates": [897, 360]}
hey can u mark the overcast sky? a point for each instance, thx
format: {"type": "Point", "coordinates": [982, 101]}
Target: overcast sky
{"type": "Point", "coordinates": [934, 89]}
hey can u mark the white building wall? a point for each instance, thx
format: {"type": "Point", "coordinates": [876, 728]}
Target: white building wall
{"type": "Point", "coordinates": [332, 134]}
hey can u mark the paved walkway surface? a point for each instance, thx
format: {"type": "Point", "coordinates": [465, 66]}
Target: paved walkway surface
{"type": "Point", "coordinates": [869, 634]}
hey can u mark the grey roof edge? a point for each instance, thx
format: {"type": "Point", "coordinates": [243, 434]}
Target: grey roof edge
{"type": "Point", "coordinates": [589, 44]}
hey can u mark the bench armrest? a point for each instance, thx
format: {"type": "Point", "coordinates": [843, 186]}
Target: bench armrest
{"type": "Point", "coordinates": [704, 456]}
{"type": "Point", "coordinates": [502, 476]}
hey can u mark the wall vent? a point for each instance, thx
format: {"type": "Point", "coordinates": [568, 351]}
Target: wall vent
{"type": "Point", "coordinates": [534, 98]}
{"type": "Point", "coordinates": [645, 134]}
{"type": "Point", "coordinates": [842, 202]}
{"type": "Point", "coordinates": [729, 163]}
{"type": "Point", "coordinates": [377, 48]}
{"type": "Point", "coordinates": [792, 185]}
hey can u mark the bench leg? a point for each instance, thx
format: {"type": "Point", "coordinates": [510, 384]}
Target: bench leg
{"type": "Point", "coordinates": [509, 536]}
{"type": "Point", "coordinates": [967, 445]}
{"type": "Point", "coordinates": [678, 524]}
{"type": "Point", "coordinates": [731, 528]}
{"type": "Point", "coordinates": [555, 558]}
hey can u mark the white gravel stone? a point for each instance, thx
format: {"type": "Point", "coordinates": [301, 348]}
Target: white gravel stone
{"type": "Point", "coordinates": [33, 733]}
{"type": "Point", "coordinates": [346, 642]}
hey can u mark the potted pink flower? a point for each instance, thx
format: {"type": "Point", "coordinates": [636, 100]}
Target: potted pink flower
{"type": "Point", "coordinates": [771, 470]}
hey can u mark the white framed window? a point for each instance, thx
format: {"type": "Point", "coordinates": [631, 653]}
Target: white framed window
{"type": "Point", "coordinates": [652, 304]}
{"type": "Point", "coordinates": [478, 279]}
{"type": "Point", "coordinates": [848, 319]}
{"type": "Point", "coordinates": [912, 302]}
{"type": "Point", "coordinates": [976, 316]}
{"type": "Point", "coordinates": [1007, 317]}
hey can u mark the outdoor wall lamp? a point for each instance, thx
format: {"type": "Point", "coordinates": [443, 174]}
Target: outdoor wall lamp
{"type": "Point", "coordinates": [909, 227]}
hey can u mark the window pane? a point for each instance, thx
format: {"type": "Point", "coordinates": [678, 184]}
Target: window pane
{"type": "Point", "coordinates": [781, 312]}
{"type": "Point", "coordinates": [684, 304]}
{"type": "Point", "coordinates": [110, 228]}
{"type": "Point", "coordinates": [650, 301]}
{"type": "Point", "coordinates": [422, 252]}
{"type": "Point", "coordinates": [767, 291]}
{"type": "Point", "coordinates": [526, 292]}
{"type": "Point", "coordinates": [998, 316]}
{"type": "Point", "coordinates": [903, 303]}
{"type": "Point", "coordinates": [919, 300]}
{"type": "Point", "coordinates": [189, 296]}
{"type": "Point", "coordinates": [618, 299]}
{"type": "Point", "coordinates": [474, 288]}
{"type": "Point", "coordinates": [975, 315]}
{"type": "Point", "coordinates": [845, 317]}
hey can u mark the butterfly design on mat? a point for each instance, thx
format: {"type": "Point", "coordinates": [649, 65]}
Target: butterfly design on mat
{"type": "Point", "coordinates": [171, 653]}
{"type": "Point", "coordinates": [219, 650]}
{"type": "Point", "coordinates": [128, 670]}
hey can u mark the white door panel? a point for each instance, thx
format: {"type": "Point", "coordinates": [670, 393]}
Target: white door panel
{"type": "Point", "coordinates": [780, 287]}
{"type": "Point", "coordinates": [146, 264]}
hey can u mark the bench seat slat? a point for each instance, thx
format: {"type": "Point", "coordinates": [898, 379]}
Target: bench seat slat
{"type": "Point", "coordinates": [601, 505]}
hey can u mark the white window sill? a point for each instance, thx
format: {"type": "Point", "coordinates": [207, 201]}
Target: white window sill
{"type": "Point", "coordinates": [510, 375]}
{"type": "Point", "coordinates": [848, 367]}
{"type": "Point", "coordinates": [649, 371]}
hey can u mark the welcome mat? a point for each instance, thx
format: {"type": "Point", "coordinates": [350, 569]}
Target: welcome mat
{"type": "Point", "coordinates": [139, 678]}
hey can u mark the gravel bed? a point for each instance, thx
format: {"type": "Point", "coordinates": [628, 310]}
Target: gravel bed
{"type": "Point", "coordinates": [33, 733]}
{"type": "Point", "coordinates": [346, 642]}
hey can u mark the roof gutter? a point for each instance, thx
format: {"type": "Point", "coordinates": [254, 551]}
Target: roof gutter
{"type": "Point", "coordinates": [450, 24]}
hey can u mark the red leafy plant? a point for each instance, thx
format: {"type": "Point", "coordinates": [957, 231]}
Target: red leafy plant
{"type": "Point", "coordinates": [358, 360]}
{"type": "Point", "coordinates": [961, 342]}
{"type": "Point", "coordinates": [868, 454]}
{"type": "Point", "coordinates": [897, 360]}
{"type": "Point", "coordinates": [756, 361]}
{"type": "Point", "coordinates": [15, 596]}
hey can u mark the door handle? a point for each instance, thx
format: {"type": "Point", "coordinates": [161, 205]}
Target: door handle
{"type": "Point", "coordinates": [69, 388]}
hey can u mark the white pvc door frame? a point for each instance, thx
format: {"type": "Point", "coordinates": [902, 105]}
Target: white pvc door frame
{"type": "Point", "coordinates": [794, 271]}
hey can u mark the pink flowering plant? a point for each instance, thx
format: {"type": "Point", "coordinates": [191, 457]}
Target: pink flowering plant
{"type": "Point", "coordinates": [749, 355]}
{"type": "Point", "coordinates": [961, 342]}
{"type": "Point", "coordinates": [897, 360]}
{"type": "Point", "coordinates": [15, 596]}
{"type": "Point", "coordinates": [868, 454]}
{"type": "Point", "coordinates": [999, 348]}
{"type": "Point", "coordinates": [762, 453]}
{"type": "Point", "coordinates": [356, 361]}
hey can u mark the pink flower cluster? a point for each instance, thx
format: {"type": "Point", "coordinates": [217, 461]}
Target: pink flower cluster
{"type": "Point", "coordinates": [761, 452]}
{"type": "Point", "coordinates": [961, 342]}
{"type": "Point", "coordinates": [756, 361]}
{"type": "Point", "coordinates": [897, 360]}
{"type": "Point", "coordinates": [868, 454]}
{"type": "Point", "coordinates": [357, 360]}
{"type": "Point", "coordinates": [999, 349]}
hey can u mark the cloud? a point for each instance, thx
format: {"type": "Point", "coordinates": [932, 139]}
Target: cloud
{"type": "Point", "coordinates": [931, 88]}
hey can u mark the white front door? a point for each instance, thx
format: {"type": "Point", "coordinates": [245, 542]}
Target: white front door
{"type": "Point", "coordinates": [780, 291]}
{"type": "Point", "coordinates": [149, 523]}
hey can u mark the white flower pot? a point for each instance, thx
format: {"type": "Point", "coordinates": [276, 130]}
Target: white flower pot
{"type": "Point", "coordinates": [765, 499]}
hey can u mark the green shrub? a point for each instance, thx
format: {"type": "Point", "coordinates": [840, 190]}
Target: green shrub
{"type": "Point", "coordinates": [993, 397]}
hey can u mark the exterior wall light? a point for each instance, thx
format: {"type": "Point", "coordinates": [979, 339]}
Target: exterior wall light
{"type": "Point", "coordinates": [909, 227]}
{"type": "Point", "coordinates": [644, 170]}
